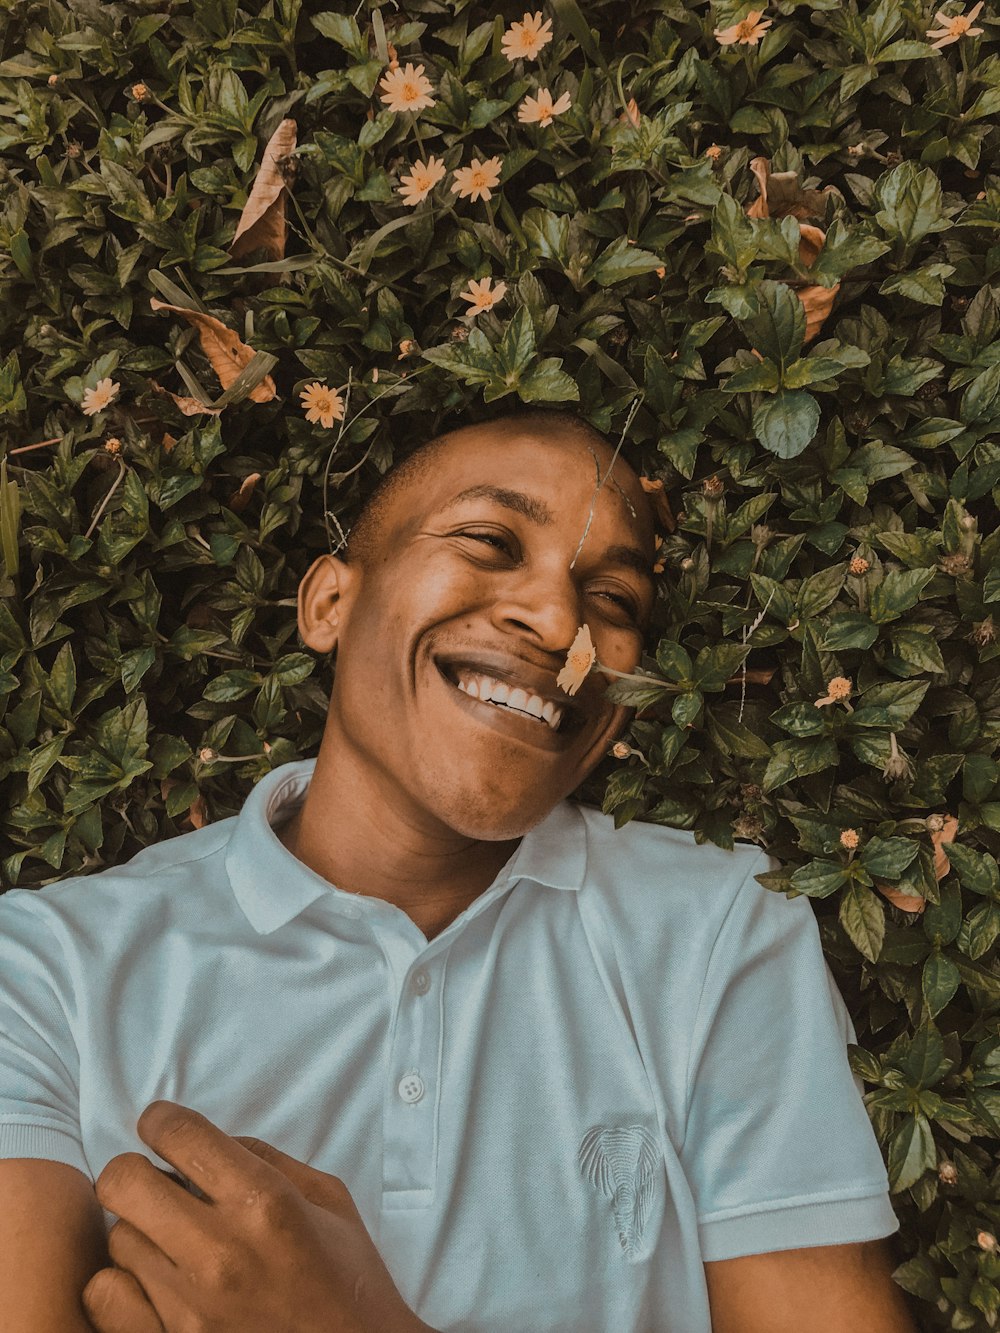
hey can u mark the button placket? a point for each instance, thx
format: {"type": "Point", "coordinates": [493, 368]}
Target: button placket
{"type": "Point", "coordinates": [410, 1108]}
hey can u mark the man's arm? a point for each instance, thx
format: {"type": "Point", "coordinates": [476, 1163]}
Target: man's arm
{"type": "Point", "coordinates": [52, 1240]}
{"type": "Point", "coordinates": [820, 1289]}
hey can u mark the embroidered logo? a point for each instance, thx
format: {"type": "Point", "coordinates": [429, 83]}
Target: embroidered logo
{"type": "Point", "coordinates": [622, 1162]}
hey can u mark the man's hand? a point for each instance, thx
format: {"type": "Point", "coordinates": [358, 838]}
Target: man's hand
{"type": "Point", "coordinates": [275, 1244]}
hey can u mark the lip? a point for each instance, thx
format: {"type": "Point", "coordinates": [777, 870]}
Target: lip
{"type": "Point", "coordinates": [506, 721]}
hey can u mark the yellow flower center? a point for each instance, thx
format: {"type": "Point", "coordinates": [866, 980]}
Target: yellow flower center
{"type": "Point", "coordinates": [410, 92]}
{"type": "Point", "coordinates": [958, 26]}
{"type": "Point", "coordinates": [580, 660]}
{"type": "Point", "coordinates": [744, 30]}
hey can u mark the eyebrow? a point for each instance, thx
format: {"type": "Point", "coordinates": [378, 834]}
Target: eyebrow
{"type": "Point", "coordinates": [629, 557]}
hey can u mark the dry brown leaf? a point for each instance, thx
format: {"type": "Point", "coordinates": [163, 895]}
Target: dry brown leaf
{"type": "Point", "coordinates": [908, 902]}
{"type": "Point", "coordinates": [653, 486]}
{"type": "Point", "coordinates": [168, 442]}
{"type": "Point", "coordinates": [197, 814]}
{"type": "Point", "coordinates": [228, 355]}
{"type": "Point", "coordinates": [189, 406]}
{"type": "Point", "coordinates": [239, 500]}
{"type": "Point", "coordinates": [262, 223]}
{"type": "Point", "coordinates": [781, 196]}
{"type": "Point", "coordinates": [941, 863]}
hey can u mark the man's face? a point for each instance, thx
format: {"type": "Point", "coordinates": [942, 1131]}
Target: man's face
{"type": "Point", "coordinates": [470, 600]}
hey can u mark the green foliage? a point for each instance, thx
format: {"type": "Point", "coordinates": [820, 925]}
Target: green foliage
{"type": "Point", "coordinates": [835, 489]}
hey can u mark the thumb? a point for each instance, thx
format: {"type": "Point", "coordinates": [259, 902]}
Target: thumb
{"type": "Point", "coordinates": [319, 1187]}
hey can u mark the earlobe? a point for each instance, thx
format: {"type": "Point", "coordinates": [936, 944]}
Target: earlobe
{"type": "Point", "coordinates": [320, 598]}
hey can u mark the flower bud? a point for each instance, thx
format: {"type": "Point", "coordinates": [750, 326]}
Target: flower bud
{"type": "Point", "coordinates": [620, 750]}
{"type": "Point", "coordinates": [207, 754]}
{"type": "Point", "coordinates": [947, 1174]}
{"type": "Point", "coordinates": [986, 1241]}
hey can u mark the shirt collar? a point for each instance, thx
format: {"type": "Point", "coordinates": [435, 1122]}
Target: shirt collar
{"type": "Point", "coordinates": [272, 886]}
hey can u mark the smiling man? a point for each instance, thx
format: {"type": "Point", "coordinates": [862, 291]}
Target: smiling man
{"type": "Point", "coordinates": [435, 1046]}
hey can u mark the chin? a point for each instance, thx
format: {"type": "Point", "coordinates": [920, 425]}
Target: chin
{"type": "Point", "coordinates": [496, 820]}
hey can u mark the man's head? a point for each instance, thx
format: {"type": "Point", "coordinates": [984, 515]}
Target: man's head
{"type": "Point", "coordinates": [465, 572]}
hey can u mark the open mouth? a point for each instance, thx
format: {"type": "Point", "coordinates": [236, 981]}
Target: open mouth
{"type": "Point", "coordinates": [559, 718]}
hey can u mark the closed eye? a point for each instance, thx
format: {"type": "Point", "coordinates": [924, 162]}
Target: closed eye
{"type": "Point", "coordinates": [493, 538]}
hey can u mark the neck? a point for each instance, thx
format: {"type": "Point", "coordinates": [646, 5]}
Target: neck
{"type": "Point", "coordinates": [364, 839]}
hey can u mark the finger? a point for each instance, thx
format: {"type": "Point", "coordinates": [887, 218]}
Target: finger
{"type": "Point", "coordinates": [222, 1169]}
{"type": "Point", "coordinates": [319, 1187]}
{"type": "Point", "coordinates": [155, 1204]}
{"type": "Point", "coordinates": [114, 1302]}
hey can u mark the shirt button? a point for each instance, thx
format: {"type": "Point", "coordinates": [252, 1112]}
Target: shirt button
{"type": "Point", "coordinates": [411, 1088]}
{"type": "Point", "coordinates": [421, 981]}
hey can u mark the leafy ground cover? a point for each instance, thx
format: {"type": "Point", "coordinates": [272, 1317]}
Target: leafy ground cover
{"type": "Point", "coordinates": [249, 254]}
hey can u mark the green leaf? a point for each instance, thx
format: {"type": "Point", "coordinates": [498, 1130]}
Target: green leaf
{"type": "Point", "coordinates": [733, 235]}
{"type": "Point", "coordinates": [898, 591]}
{"type": "Point", "coordinates": [911, 1153]}
{"type": "Point", "coordinates": [778, 328]}
{"type": "Point", "coordinates": [977, 871]}
{"type": "Point", "coordinates": [800, 719]}
{"type": "Point", "coordinates": [862, 915]}
{"type": "Point", "coordinates": [818, 879]}
{"type": "Point", "coordinates": [763, 377]}
{"type": "Point", "coordinates": [797, 758]}
{"type": "Point", "coordinates": [910, 204]}
{"type": "Point", "coordinates": [686, 708]}
{"type": "Point", "coordinates": [787, 423]}
{"type": "Point", "coordinates": [715, 664]}
{"type": "Point", "coordinates": [848, 629]}
{"type": "Point", "coordinates": [619, 262]}
{"type": "Point", "coordinates": [925, 1062]}
{"type": "Point", "coordinates": [887, 858]}
{"type": "Point", "coordinates": [925, 284]}
{"type": "Point", "coordinates": [939, 981]}
{"type": "Point", "coordinates": [674, 661]}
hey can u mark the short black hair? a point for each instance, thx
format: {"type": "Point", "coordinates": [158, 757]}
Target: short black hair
{"type": "Point", "coordinates": [363, 540]}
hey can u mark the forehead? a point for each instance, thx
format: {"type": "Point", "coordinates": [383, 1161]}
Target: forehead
{"type": "Point", "coordinates": [559, 466]}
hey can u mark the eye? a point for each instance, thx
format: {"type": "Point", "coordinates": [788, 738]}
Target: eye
{"type": "Point", "coordinates": [626, 603]}
{"type": "Point", "coordinates": [500, 542]}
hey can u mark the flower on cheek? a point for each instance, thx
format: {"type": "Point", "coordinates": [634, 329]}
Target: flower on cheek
{"type": "Point", "coordinates": [581, 657]}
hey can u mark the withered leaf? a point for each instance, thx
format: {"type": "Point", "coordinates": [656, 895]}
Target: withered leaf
{"type": "Point", "coordinates": [223, 348]}
{"type": "Point", "coordinates": [262, 223]}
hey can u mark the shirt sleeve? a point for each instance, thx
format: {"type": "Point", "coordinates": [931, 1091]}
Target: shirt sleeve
{"type": "Point", "coordinates": [39, 1064]}
{"type": "Point", "coordinates": [778, 1147]}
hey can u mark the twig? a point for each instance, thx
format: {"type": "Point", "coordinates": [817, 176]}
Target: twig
{"type": "Point", "coordinates": [636, 401]}
{"type": "Point", "coordinates": [122, 469]}
{"type": "Point", "coordinates": [26, 448]}
{"type": "Point", "coordinates": [747, 631]}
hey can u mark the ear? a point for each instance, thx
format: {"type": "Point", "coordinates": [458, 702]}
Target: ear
{"type": "Point", "coordinates": [320, 602]}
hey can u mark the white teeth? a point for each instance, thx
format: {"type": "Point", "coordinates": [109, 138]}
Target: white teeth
{"type": "Point", "coordinates": [499, 691]}
{"type": "Point", "coordinates": [487, 689]}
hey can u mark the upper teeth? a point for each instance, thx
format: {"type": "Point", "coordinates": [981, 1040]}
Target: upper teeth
{"type": "Point", "coordinates": [501, 692]}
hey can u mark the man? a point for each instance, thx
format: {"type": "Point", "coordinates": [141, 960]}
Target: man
{"type": "Point", "coordinates": [418, 1042]}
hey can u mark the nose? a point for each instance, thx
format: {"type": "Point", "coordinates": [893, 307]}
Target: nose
{"type": "Point", "coordinates": [543, 603]}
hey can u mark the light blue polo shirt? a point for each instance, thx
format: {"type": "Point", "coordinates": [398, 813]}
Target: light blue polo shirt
{"type": "Point", "coordinates": [624, 1058]}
